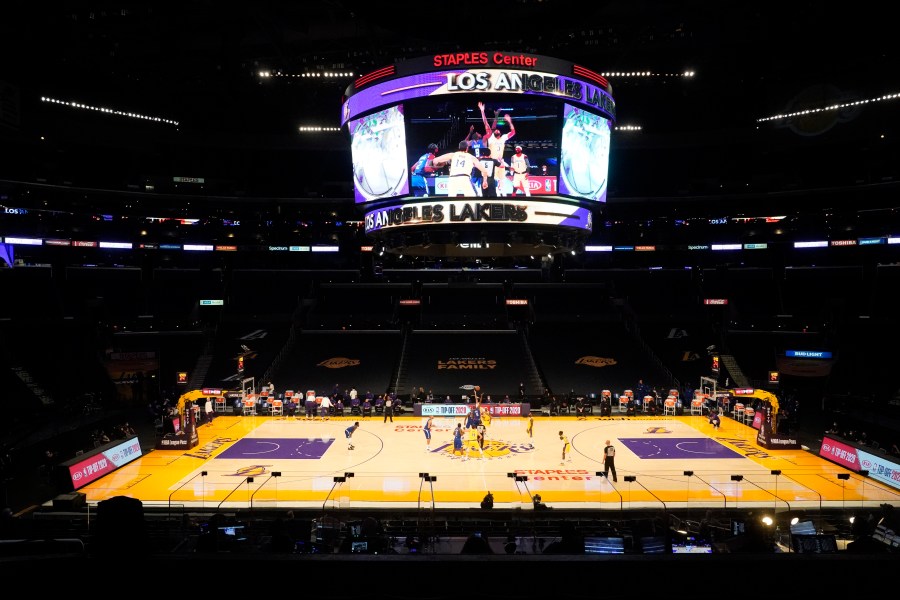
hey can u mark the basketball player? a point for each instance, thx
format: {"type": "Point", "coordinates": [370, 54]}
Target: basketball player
{"type": "Point", "coordinates": [474, 140]}
{"type": "Point", "coordinates": [461, 165]}
{"type": "Point", "coordinates": [503, 183]}
{"type": "Point", "coordinates": [427, 430]}
{"type": "Point", "coordinates": [567, 448]}
{"type": "Point", "coordinates": [486, 414]}
{"type": "Point", "coordinates": [470, 419]}
{"type": "Point", "coordinates": [348, 433]}
{"type": "Point", "coordinates": [422, 168]}
{"type": "Point", "coordinates": [473, 442]}
{"type": "Point", "coordinates": [520, 166]}
{"type": "Point", "coordinates": [496, 141]}
{"type": "Point", "coordinates": [457, 439]}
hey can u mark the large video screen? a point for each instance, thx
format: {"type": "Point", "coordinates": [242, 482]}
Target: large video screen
{"type": "Point", "coordinates": [584, 161]}
{"type": "Point", "coordinates": [560, 113]}
{"type": "Point", "coordinates": [515, 141]}
{"type": "Point", "coordinates": [378, 152]}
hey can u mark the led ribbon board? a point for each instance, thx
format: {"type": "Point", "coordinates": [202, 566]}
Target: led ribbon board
{"type": "Point", "coordinates": [480, 72]}
{"type": "Point", "coordinates": [465, 212]}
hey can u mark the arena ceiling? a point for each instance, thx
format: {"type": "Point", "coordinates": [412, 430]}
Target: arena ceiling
{"type": "Point", "coordinates": [198, 63]}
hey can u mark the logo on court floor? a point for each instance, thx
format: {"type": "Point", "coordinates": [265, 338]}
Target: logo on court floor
{"type": "Point", "coordinates": [493, 450]}
{"type": "Point", "coordinates": [595, 361]}
{"type": "Point", "coordinates": [658, 429]}
{"type": "Point", "coordinates": [338, 362]}
{"type": "Point", "coordinates": [251, 471]}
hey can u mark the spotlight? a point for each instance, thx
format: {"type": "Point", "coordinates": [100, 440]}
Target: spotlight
{"type": "Point", "coordinates": [203, 473]}
{"type": "Point", "coordinates": [249, 480]}
{"type": "Point", "coordinates": [688, 473]}
{"type": "Point", "coordinates": [767, 520]}
{"type": "Point", "coordinates": [630, 478]}
{"type": "Point", "coordinates": [276, 473]}
{"type": "Point", "coordinates": [795, 520]}
{"type": "Point", "coordinates": [737, 477]}
{"type": "Point", "coordinates": [843, 476]}
{"type": "Point", "coordinates": [776, 471]}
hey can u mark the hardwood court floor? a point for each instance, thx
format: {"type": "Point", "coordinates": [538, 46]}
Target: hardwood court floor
{"type": "Point", "coordinates": [236, 463]}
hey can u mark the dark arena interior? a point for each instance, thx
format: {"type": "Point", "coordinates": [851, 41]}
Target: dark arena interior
{"type": "Point", "coordinates": [542, 230]}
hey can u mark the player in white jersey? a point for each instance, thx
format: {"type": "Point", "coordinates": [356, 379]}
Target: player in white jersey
{"type": "Point", "coordinates": [520, 165]}
{"type": "Point", "coordinates": [461, 165]}
{"type": "Point", "coordinates": [496, 140]}
{"type": "Point", "coordinates": [502, 180]}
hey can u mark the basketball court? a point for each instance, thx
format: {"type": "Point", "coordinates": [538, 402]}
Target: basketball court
{"type": "Point", "coordinates": [666, 462]}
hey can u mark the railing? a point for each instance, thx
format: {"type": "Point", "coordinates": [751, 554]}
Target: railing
{"type": "Point", "coordinates": [535, 368]}
{"type": "Point", "coordinates": [631, 326]}
{"type": "Point", "coordinates": [401, 362]}
{"type": "Point", "coordinates": [285, 350]}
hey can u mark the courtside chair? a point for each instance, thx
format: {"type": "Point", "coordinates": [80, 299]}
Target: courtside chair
{"type": "Point", "coordinates": [749, 413]}
{"type": "Point", "coordinates": [697, 405]}
{"type": "Point", "coordinates": [669, 405]}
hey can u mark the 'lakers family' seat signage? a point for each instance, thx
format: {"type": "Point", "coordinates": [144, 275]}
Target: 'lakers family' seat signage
{"type": "Point", "coordinates": [473, 364]}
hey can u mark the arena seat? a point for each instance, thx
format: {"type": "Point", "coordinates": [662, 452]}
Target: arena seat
{"type": "Point", "coordinates": [697, 403]}
{"type": "Point", "coordinates": [669, 405]}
